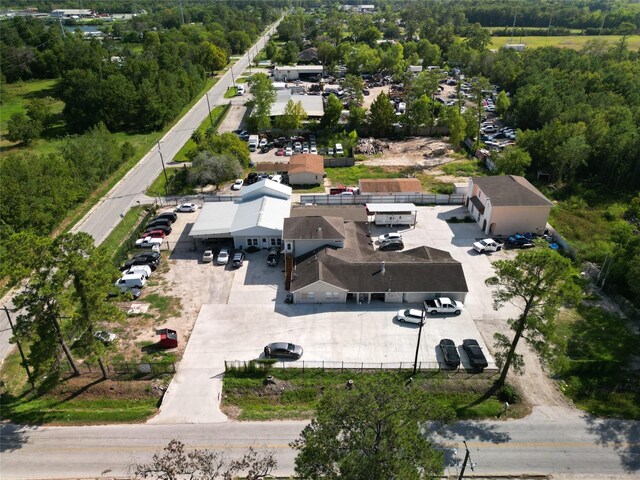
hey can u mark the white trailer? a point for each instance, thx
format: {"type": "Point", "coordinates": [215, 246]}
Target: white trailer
{"type": "Point", "coordinates": [393, 214]}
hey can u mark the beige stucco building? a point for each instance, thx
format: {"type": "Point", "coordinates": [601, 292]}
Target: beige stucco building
{"type": "Point", "coordinates": [507, 204]}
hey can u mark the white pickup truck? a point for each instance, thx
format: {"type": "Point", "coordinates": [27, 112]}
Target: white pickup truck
{"type": "Point", "coordinates": [443, 305]}
{"type": "Point", "coordinates": [487, 245]}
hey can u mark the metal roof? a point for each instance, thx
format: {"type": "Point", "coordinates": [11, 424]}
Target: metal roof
{"type": "Point", "coordinates": [391, 207]}
{"type": "Point", "coordinates": [312, 104]}
{"type": "Point", "coordinates": [511, 191]}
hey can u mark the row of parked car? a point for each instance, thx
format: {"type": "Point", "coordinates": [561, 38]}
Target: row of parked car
{"type": "Point", "coordinates": [524, 240]}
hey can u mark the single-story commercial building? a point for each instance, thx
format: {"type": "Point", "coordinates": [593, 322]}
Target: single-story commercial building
{"type": "Point", "coordinates": [288, 73]}
{"type": "Point", "coordinates": [301, 235]}
{"type": "Point", "coordinates": [371, 186]}
{"type": "Point", "coordinates": [255, 219]}
{"type": "Point", "coordinates": [312, 104]}
{"type": "Point", "coordinates": [393, 214]}
{"type": "Point", "coordinates": [358, 273]}
{"type": "Point", "coordinates": [506, 204]}
{"type": "Point", "coordinates": [306, 169]}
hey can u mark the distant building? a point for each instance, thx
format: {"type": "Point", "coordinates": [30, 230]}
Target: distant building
{"type": "Point", "coordinates": [73, 13]}
{"type": "Point", "coordinates": [308, 55]}
{"type": "Point", "coordinates": [288, 73]}
{"type": "Point", "coordinates": [519, 47]}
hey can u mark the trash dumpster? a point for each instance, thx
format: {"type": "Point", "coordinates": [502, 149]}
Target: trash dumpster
{"type": "Point", "coordinates": [168, 338]}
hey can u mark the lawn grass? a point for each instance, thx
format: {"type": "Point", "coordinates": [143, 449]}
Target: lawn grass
{"type": "Point", "coordinates": [167, 306]}
{"type": "Point", "coordinates": [594, 369]}
{"type": "Point", "coordinates": [17, 95]}
{"type": "Point", "coordinates": [231, 92]}
{"type": "Point", "coordinates": [575, 42]}
{"type": "Point", "coordinates": [317, 189]}
{"type": "Point", "coordinates": [178, 185]}
{"type": "Point", "coordinates": [242, 79]}
{"type": "Point", "coordinates": [216, 114]}
{"type": "Point", "coordinates": [244, 390]}
{"type": "Point", "coordinates": [464, 168]}
{"type": "Point", "coordinates": [349, 176]}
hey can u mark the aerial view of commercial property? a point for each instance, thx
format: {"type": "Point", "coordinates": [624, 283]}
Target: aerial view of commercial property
{"type": "Point", "coordinates": [320, 239]}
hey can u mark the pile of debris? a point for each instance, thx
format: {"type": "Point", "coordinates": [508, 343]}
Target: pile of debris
{"type": "Point", "coordinates": [370, 146]}
{"type": "Point", "coordinates": [436, 149]}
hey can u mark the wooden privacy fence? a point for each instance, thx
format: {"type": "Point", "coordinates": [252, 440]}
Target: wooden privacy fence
{"type": "Point", "coordinates": [340, 367]}
{"type": "Point", "coordinates": [417, 199]}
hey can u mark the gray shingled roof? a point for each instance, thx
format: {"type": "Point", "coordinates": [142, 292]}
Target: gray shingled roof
{"type": "Point", "coordinates": [308, 228]}
{"type": "Point", "coordinates": [511, 191]}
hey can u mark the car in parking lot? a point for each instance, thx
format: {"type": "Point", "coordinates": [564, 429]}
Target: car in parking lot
{"type": "Point", "coordinates": [477, 360]}
{"type": "Point", "coordinates": [283, 350]}
{"type": "Point", "coordinates": [449, 352]}
{"type": "Point", "coordinates": [165, 228]}
{"type": "Point", "coordinates": [148, 242]}
{"type": "Point", "coordinates": [238, 259]}
{"type": "Point", "coordinates": [151, 263]}
{"type": "Point", "coordinates": [280, 152]}
{"type": "Point", "coordinates": [520, 241]}
{"type": "Point", "coordinates": [171, 216]}
{"type": "Point", "coordinates": [411, 315]}
{"type": "Point", "coordinates": [155, 234]}
{"type": "Point", "coordinates": [237, 185]}
{"type": "Point", "coordinates": [187, 207]}
{"type": "Point", "coordinates": [158, 222]}
{"type": "Point", "coordinates": [389, 236]}
{"type": "Point", "coordinates": [313, 150]}
{"type": "Point", "coordinates": [288, 152]}
{"type": "Point", "coordinates": [223, 256]}
{"type": "Point", "coordinates": [207, 256]}
{"type": "Point", "coordinates": [391, 245]}
{"type": "Point", "coordinates": [273, 257]}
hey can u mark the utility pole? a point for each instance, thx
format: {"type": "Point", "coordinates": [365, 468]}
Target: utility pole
{"type": "Point", "coordinates": [166, 180]}
{"type": "Point", "coordinates": [209, 107]}
{"type": "Point", "coordinates": [64, 32]}
{"type": "Point", "coordinates": [466, 459]}
{"type": "Point", "coordinates": [422, 321]}
{"type": "Point", "coordinates": [232, 77]}
{"type": "Point", "coordinates": [181, 13]}
{"type": "Point", "coordinates": [24, 359]}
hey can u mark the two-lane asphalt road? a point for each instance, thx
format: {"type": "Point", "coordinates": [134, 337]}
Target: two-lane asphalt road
{"type": "Point", "coordinates": [107, 213]}
{"type": "Point", "coordinates": [549, 441]}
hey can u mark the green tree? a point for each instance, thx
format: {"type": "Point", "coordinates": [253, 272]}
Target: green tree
{"type": "Point", "coordinates": [326, 53]}
{"type": "Point", "coordinates": [332, 112]}
{"type": "Point", "coordinates": [264, 95]}
{"type": "Point", "coordinates": [569, 156]}
{"type": "Point", "coordinates": [457, 126]}
{"type": "Point", "coordinates": [419, 112]}
{"type": "Point", "coordinates": [512, 161]}
{"type": "Point", "coordinates": [293, 116]}
{"type": "Point", "coordinates": [212, 57]}
{"type": "Point", "coordinates": [39, 110]}
{"type": "Point", "coordinates": [353, 86]}
{"type": "Point", "coordinates": [502, 103]}
{"type": "Point", "coordinates": [290, 53]}
{"type": "Point", "coordinates": [370, 36]}
{"type": "Point", "coordinates": [357, 117]}
{"type": "Point", "coordinates": [538, 282]}
{"type": "Point", "coordinates": [21, 128]}
{"type": "Point", "coordinates": [382, 115]}
{"type": "Point", "coordinates": [228, 144]}
{"type": "Point", "coordinates": [213, 169]}
{"type": "Point", "coordinates": [239, 41]}
{"type": "Point", "coordinates": [372, 430]}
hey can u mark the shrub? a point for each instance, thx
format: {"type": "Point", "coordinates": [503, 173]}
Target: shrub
{"type": "Point", "coordinates": [508, 394]}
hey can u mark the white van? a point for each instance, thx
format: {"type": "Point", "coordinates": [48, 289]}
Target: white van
{"type": "Point", "coordinates": [339, 150]}
{"type": "Point", "coordinates": [139, 269]}
{"type": "Point", "coordinates": [131, 280]}
{"type": "Point", "coordinates": [277, 178]}
{"type": "Point", "coordinates": [240, 89]}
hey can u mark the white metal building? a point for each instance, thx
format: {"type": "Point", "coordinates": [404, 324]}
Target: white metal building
{"type": "Point", "coordinates": [393, 213]}
{"type": "Point", "coordinates": [312, 104]}
{"type": "Point", "coordinates": [256, 219]}
{"type": "Point", "coordinates": [287, 73]}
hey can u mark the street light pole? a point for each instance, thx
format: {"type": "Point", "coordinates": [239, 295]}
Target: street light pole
{"type": "Point", "coordinates": [415, 362]}
{"type": "Point", "coordinates": [166, 180]}
{"type": "Point", "coordinates": [209, 107]}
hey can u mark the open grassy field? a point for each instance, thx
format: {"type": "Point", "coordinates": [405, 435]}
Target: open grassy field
{"type": "Point", "coordinates": [575, 42]}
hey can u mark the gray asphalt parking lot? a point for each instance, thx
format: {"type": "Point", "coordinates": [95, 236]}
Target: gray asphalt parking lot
{"type": "Point", "coordinates": [246, 311]}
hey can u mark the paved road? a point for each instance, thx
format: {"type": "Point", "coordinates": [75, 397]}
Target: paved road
{"type": "Point", "coordinates": [549, 441]}
{"type": "Point", "coordinates": [105, 215]}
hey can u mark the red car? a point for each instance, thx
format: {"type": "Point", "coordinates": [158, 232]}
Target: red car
{"type": "Point", "coordinates": [156, 234]}
{"type": "Point", "coordinates": [280, 152]}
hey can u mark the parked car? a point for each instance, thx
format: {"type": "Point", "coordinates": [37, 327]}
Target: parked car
{"type": "Point", "coordinates": [391, 245]}
{"type": "Point", "coordinates": [155, 234]}
{"type": "Point", "coordinates": [148, 242]}
{"type": "Point", "coordinates": [169, 215]}
{"type": "Point", "coordinates": [477, 360]}
{"type": "Point", "coordinates": [330, 151]}
{"type": "Point", "coordinates": [139, 269]}
{"type": "Point", "coordinates": [158, 222]}
{"type": "Point", "coordinates": [280, 152]}
{"type": "Point", "coordinates": [410, 315]}
{"type": "Point", "coordinates": [165, 228]}
{"type": "Point", "coordinates": [223, 257]}
{"type": "Point", "coordinates": [207, 256]}
{"type": "Point", "coordinates": [389, 236]}
{"type": "Point", "coordinates": [487, 245]}
{"type": "Point", "coordinates": [105, 337]}
{"type": "Point", "coordinates": [520, 241]}
{"type": "Point", "coordinates": [339, 150]}
{"type": "Point", "coordinates": [238, 259]}
{"type": "Point", "coordinates": [273, 257]}
{"type": "Point", "coordinates": [187, 207]}
{"type": "Point", "coordinates": [131, 280]}
{"type": "Point", "coordinates": [449, 352]}
{"type": "Point", "coordinates": [283, 350]}
{"type": "Point", "coordinates": [149, 255]}
{"type": "Point", "coordinates": [288, 152]}
{"type": "Point", "coordinates": [313, 150]}
{"type": "Point", "coordinates": [297, 147]}
{"type": "Point", "coordinates": [263, 142]}
{"type": "Point", "coordinates": [151, 263]}
{"type": "Point", "coordinates": [237, 185]}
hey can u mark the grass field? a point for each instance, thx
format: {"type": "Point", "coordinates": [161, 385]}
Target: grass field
{"type": "Point", "coordinates": [575, 42]}
{"type": "Point", "coordinates": [231, 92]}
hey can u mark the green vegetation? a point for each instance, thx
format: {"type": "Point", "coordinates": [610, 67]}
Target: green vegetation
{"type": "Point", "coordinates": [122, 230]}
{"type": "Point", "coordinates": [595, 368]}
{"type": "Point", "coordinates": [178, 183]}
{"type": "Point", "coordinates": [242, 79]}
{"type": "Point", "coordinates": [464, 168]}
{"type": "Point", "coordinates": [16, 95]}
{"type": "Point", "coordinates": [316, 189]}
{"type": "Point", "coordinates": [217, 115]}
{"type": "Point", "coordinates": [167, 306]}
{"type": "Point", "coordinates": [349, 176]}
{"type": "Point", "coordinates": [246, 391]}
{"type": "Point", "coordinates": [574, 42]}
{"type": "Point", "coordinates": [231, 92]}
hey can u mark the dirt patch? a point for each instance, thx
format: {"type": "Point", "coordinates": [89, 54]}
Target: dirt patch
{"type": "Point", "coordinates": [413, 152]}
{"type": "Point", "coordinates": [93, 387]}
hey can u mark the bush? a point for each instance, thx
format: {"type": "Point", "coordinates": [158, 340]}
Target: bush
{"type": "Point", "coordinates": [508, 394]}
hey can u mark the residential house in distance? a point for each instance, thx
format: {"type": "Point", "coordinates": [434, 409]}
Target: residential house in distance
{"type": "Point", "coordinates": [506, 204]}
{"type": "Point", "coordinates": [306, 169]}
{"type": "Point", "coordinates": [385, 186]}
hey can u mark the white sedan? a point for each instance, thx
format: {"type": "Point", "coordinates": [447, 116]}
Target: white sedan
{"type": "Point", "coordinates": [187, 207]}
{"type": "Point", "coordinates": [207, 256]}
{"type": "Point", "coordinates": [411, 315]}
{"type": "Point", "coordinates": [105, 337]}
{"type": "Point", "coordinates": [148, 242]}
{"type": "Point", "coordinates": [223, 257]}
{"type": "Point", "coordinates": [288, 152]}
{"type": "Point", "coordinates": [237, 185]}
{"type": "Point", "coordinates": [389, 236]}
